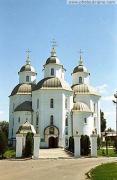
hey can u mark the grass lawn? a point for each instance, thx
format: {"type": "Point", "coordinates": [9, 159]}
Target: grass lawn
{"type": "Point", "coordinates": [105, 172]}
{"type": "Point", "coordinates": [111, 152]}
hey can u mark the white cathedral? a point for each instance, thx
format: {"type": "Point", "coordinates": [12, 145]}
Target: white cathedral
{"type": "Point", "coordinates": [55, 109]}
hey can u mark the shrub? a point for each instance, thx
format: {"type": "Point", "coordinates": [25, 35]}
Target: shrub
{"type": "Point", "coordinates": [71, 144]}
{"type": "Point", "coordinates": [85, 145]}
{"type": "Point", "coordinates": [3, 143]}
{"type": "Point", "coordinates": [28, 151]}
{"type": "Point", "coordinates": [98, 142]}
{"type": "Point", "coordinates": [115, 144]}
{"type": "Point", "coordinates": [9, 153]}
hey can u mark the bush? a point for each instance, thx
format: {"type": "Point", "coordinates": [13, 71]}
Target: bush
{"type": "Point", "coordinates": [9, 153]}
{"type": "Point", "coordinates": [85, 145]}
{"type": "Point", "coordinates": [115, 144]}
{"type": "Point", "coordinates": [98, 142]}
{"type": "Point", "coordinates": [28, 151]}
{"type": "Point", "coordinates": [71, 144]}
{"type": "Point", "coordinates": [3, 143]}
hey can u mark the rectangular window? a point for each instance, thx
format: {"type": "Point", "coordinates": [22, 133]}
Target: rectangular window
{"type": "Point", "coordinates": [13, 121]}
{"type": "Point", "coordinates": [51, 103]}
{"type": "Point", "coordinates": [27, 78]}
{"type": "Point", "coordinates": [94, 121]}
{"type": "Point", "coordinates": [94, 107]}
{"type": "Point", "coordinates": [37, 103]}
{"type": "Point", "coordinates": [66, 121]}
{"type": "Point", "coordinates": [52, 71]}
{"type": "Point", "coordinates": [65, 103]}
{"type": "Point", "coordinates": [19, 120]}
{"type": "Point", "coordinates": [37, 120]}
{"type": "Point", "coordinates": [51, 119]}
{"type": "Point", "coordinates": [12, 132]}
{"type": "Point", "coordinates": [85, 120]}
{"type": "Point", "coordinates": [66, 131]}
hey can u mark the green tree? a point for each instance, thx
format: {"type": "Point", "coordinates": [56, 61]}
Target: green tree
{"type": "Point", "coordinates": [3, 143]}
{"type": "Point", "coordinates": [115, 144]}
{"type": "Point", "coordinates": [71, 144]}
{"type": "Point", "coordinates": [85, 145]}
{"type": "Point", "coordinates": [98, 142]}
{"type": "Point", "coordinates": [28, 151]}
{"type": "Point", "coordinates": [103, 121]}
{"type": "Point", "coordinates": [4, 127]}
{"type": "Point", "coordinates": [110, 130]}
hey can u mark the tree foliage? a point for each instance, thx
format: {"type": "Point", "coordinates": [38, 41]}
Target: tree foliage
{"type": "Point", "coordinates": [28, 151]}
{"type": "Point", "coordinates": [4, 127]}
{"type": "Point", "coordinates": [71, 144]}
{"type": "Point", "coordinates": [3, 143]}
{"type": "Point", "coordinates": [103, 121]}
{"type": "Point", "coordinates": [85, 145]}
{"type": "Point", "coordinates": [110, 130]}
{"type": "Point", "coordinates": [98, 142]}
{"type": "Point", "coordinates": [115, 144]}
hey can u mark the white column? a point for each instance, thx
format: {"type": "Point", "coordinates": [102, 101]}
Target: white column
{"type": "Point", "coordinates": [93, 138]}
{"type": "Point", "coordinates": [77, 145]}
{"type": "Point", "coordinates": [19, 145]}
{"type": "Point", "coordinates": [36, 146]}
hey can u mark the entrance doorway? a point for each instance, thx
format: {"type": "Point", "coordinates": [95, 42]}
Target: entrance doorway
{"type": "Point", "coordinates": [53, 142]}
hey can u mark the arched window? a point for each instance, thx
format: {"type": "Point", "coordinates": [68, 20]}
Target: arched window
{"type": "Point", "coordinates": [37, 103]}
{"type": "Point", "coordinates": [94, 107]}
{"type": "Point", "coordinates": [19, 120]}
{"type": "Point", "coordinates": [51, 103]}
{"type": "Point", "coordinates": [80, 80]}
{"type": "Point", "coordinates": [65, 103]}
{"type": "Point", "coordinates": [27, 78]}
{"type": "Point", "coordinates": [13, 106]}
{"type": "Point", "coordinates": [66, 121]}
{"type": "Point", "coordinates": [37, 120]}
{"type": "Point", "coordinates": [51, 119]}
{"type": "Point", "coordinates": [12, 132]}
{"type": "Point", "coordinates": [13, 121]}
{"type": "Point", "coordinates": [85, 120]}
{"type": "Point", "coordinates": [94, 121]}
{"type": "Point", "coordinates": [52, 71]}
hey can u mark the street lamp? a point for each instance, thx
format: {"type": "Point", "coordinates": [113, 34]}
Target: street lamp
{"type": "Point", "coordinates": [115, 102]}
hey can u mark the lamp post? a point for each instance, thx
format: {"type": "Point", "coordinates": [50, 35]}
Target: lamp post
{"type": "Point", "coordinates": [115, 102]}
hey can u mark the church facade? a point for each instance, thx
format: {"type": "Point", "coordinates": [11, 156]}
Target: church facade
{"type": "Point", "coordinates": [55, 109]}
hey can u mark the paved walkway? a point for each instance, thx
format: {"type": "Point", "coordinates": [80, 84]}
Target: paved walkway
{"type": "Point", "coordinates": [49, 169]}
{"type": "Point", "coordinates": [54, 153]}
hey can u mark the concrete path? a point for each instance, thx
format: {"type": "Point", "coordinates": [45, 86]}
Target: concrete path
{"type": "Point", "coordinates": [54, 153]}
{"type": "Point", "coordinates": [51, 169]}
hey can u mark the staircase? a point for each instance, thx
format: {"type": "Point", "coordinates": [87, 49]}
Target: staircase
{"type": "Point", "coordinates": [54, 153]}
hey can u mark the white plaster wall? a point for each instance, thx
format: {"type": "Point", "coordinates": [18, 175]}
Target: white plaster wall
{"type": "Point", "coordinates": [14, 101]}
{"type": "Point", "coordinates": [90, 100]}
{"type": "Point", "coordinates": [75, 78]}
{"type": "Point", "coordinates": [58, 71]}
{"type": "Point", "coordinates": [59, 111]}
{"type": "Point", "coordinates": [79, 125]}
{"type": "Point", "coordinates": [24, 115]}
{"type": "Point", "coordinates": [22, 77]}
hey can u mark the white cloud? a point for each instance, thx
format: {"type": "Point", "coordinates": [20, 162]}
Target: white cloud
{"type": "Point", "coordinates": [102, 88]}
{"type": "Point", "coordinates": [1, 112]}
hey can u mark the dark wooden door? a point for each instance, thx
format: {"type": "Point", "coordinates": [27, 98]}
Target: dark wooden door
{"type": "Point", "coordinates": [53, 142]}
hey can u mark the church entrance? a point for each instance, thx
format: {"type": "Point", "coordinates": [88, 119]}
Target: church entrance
{"type": "Point", "coordinates": [53, 142]}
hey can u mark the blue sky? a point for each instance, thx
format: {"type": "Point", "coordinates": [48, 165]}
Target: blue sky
{"type": "Point", "coordinates": [34, 23]}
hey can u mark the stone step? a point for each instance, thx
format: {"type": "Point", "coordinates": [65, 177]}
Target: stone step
{"type": "Point", "coordinates": [54, 153]}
